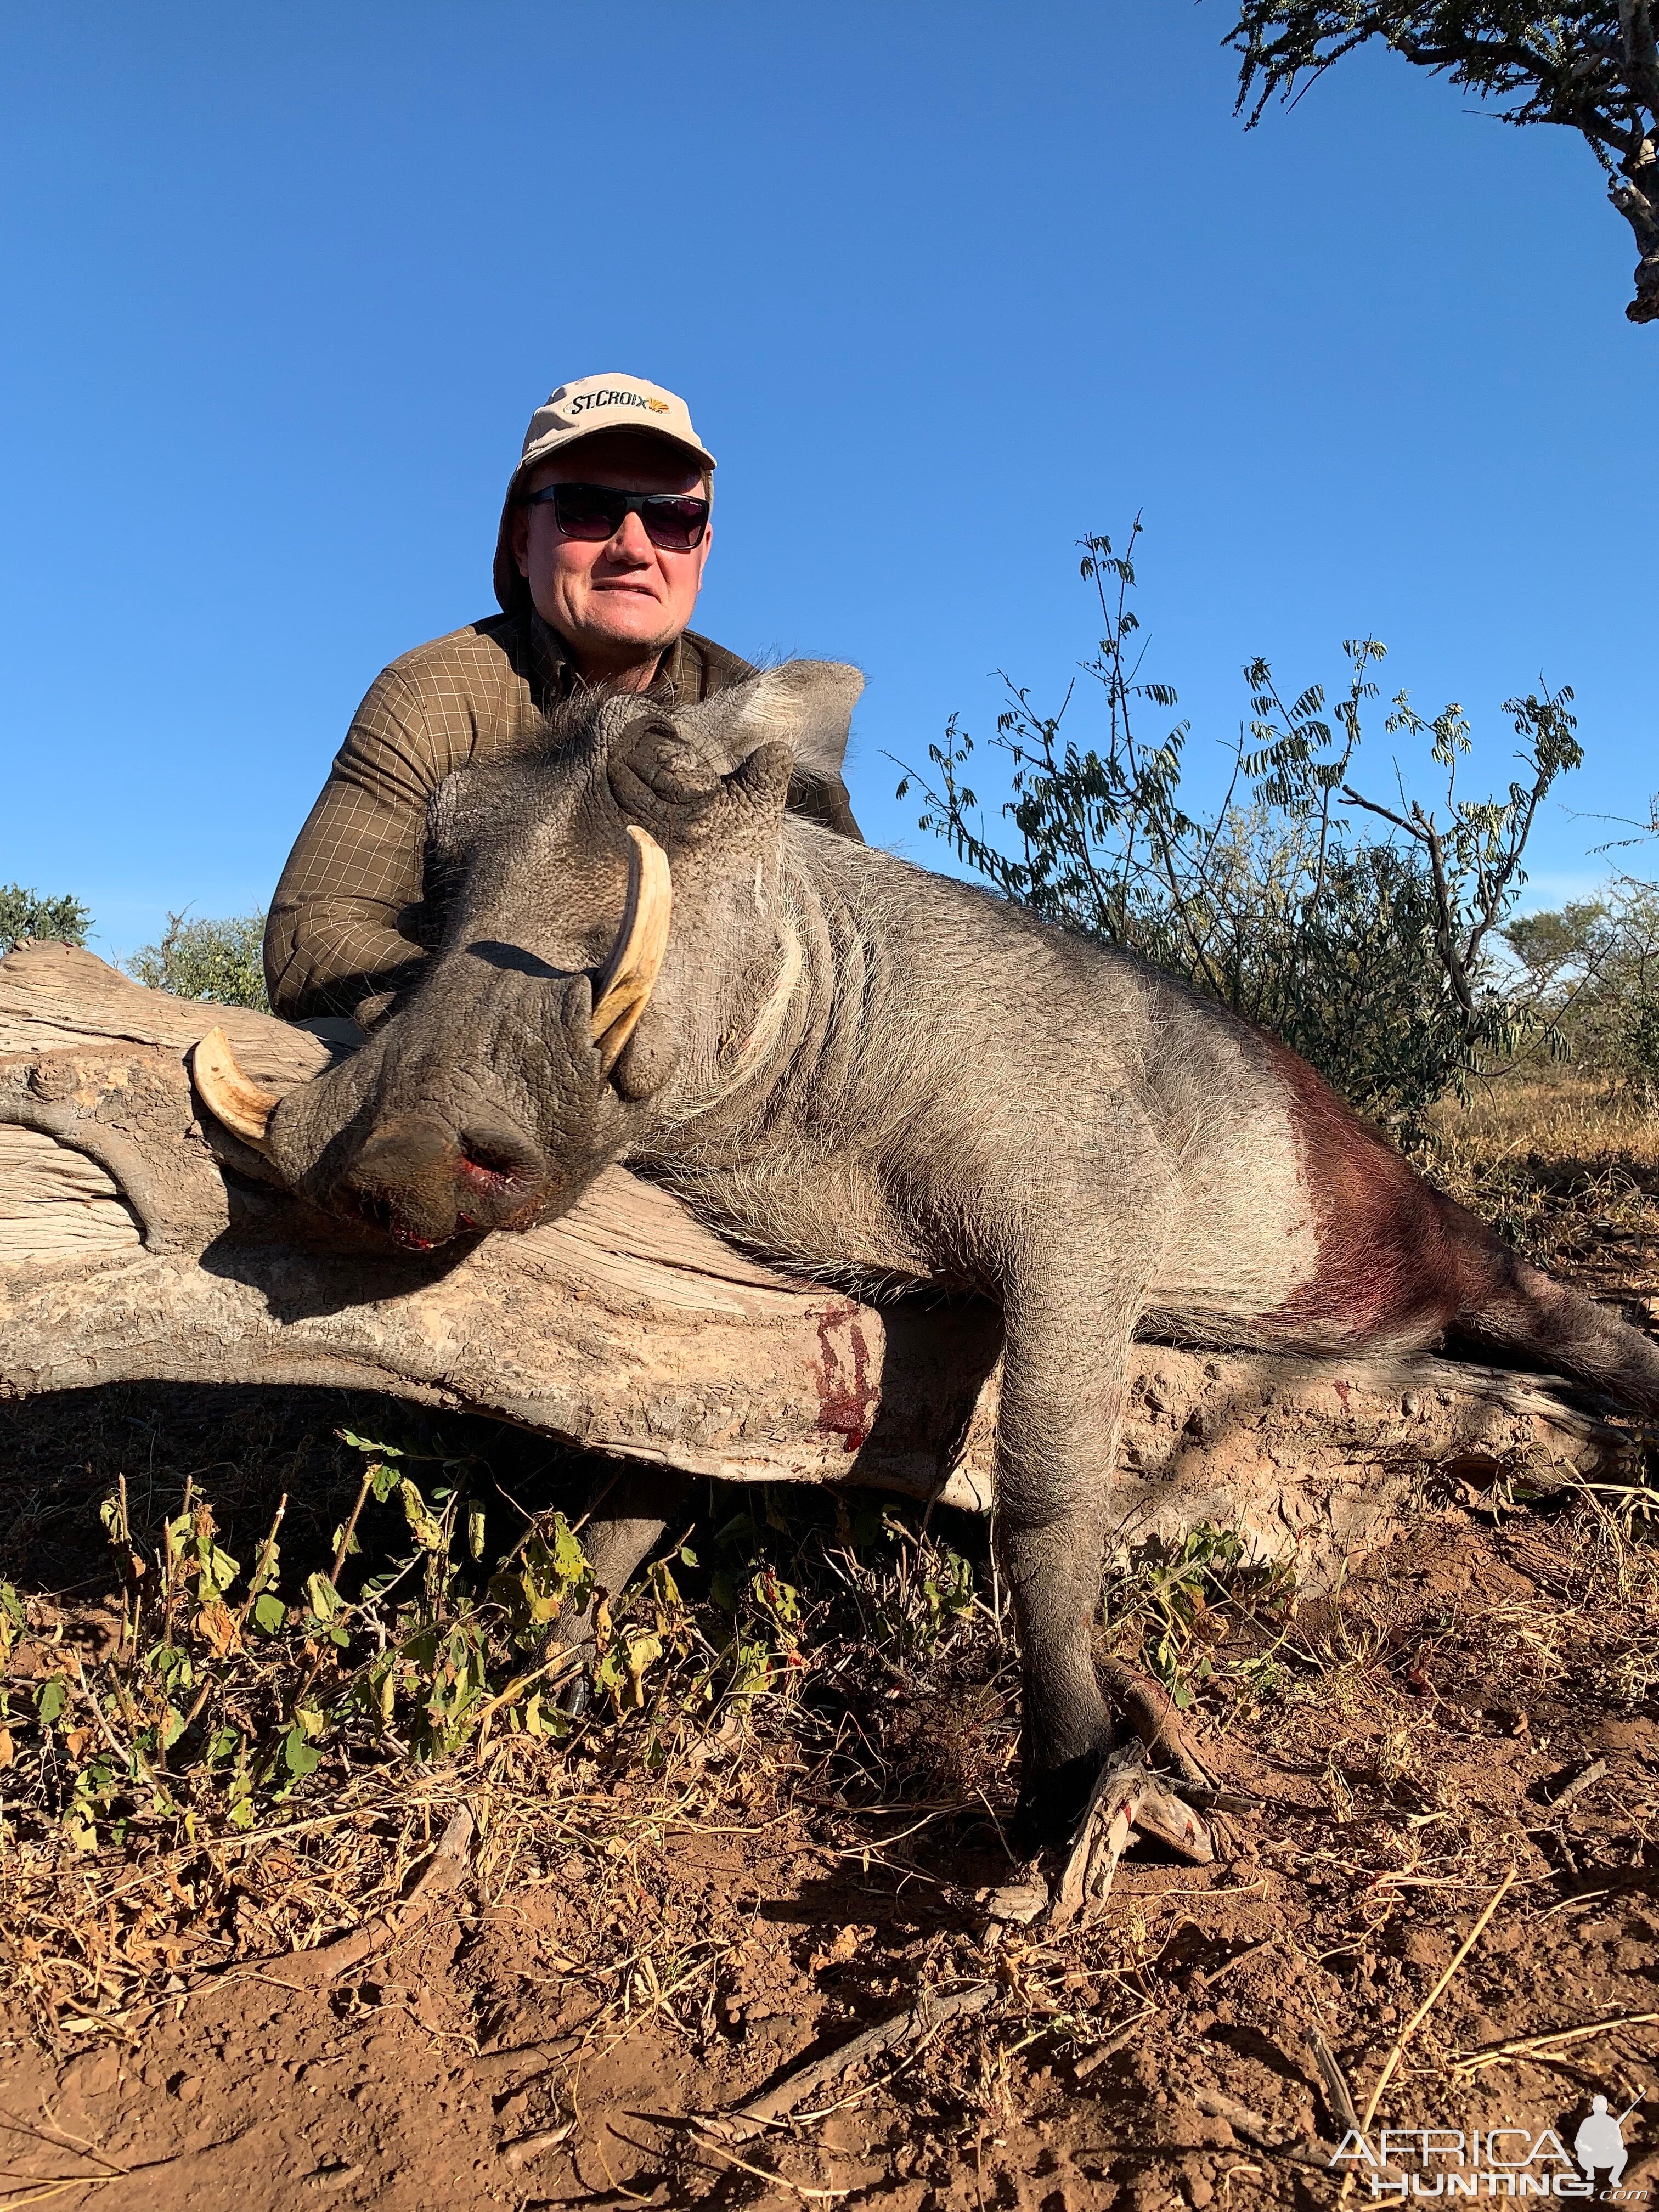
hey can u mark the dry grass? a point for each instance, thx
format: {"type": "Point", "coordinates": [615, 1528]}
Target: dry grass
{"type": "Point", "coordinates": [1552, 1160]}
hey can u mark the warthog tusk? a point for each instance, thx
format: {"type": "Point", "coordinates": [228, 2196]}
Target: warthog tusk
{"type": "Point", "coordinates": [626, 978]}
{"type": "Point", "coordinates": [245, 1107]}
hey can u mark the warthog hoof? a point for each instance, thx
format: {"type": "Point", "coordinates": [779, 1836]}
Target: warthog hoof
{"type": "Point", "coordinates": [1052, 1804]}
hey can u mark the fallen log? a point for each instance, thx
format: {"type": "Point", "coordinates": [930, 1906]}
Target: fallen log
{"type": "Point", "coordinates": [138, 1241]}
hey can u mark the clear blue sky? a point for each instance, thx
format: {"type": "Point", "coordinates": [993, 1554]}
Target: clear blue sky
{"type": "Point", "coordinates": [946, 286]}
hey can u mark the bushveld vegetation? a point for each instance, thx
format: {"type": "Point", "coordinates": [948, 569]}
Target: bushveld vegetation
{"type": "Point", "coordinates": [1368, 934]}
{"type": "Point", "coordinates": [218, 960]}
{"type": "Point", "coordinates": [323, 1626]}
{"type": "Point", "coordinates": [25, 914]}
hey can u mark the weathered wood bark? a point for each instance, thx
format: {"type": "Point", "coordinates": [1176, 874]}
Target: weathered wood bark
{"type": "Point", "coordinates": [137, 1244]}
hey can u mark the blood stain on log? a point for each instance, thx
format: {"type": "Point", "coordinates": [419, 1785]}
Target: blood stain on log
{"type": "Point", "coordinates": [845, 1402]}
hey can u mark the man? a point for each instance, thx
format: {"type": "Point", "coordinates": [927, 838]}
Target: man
{"type": "Point", "coordinates": [603, 537]}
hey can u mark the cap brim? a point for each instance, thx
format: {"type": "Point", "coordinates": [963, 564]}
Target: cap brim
{"type": "Point", "coordinates": [563, 441]}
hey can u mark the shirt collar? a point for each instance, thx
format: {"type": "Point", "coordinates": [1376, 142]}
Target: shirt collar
{"type": "Point", "coordinates": [556, 677]}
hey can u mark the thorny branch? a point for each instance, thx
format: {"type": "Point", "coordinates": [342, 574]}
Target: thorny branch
{"type": "Point", "coordinates": [1369, 955]}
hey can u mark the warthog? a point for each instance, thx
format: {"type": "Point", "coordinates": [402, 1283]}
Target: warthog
{"type": "Point", "coordinates": [885, 1078]}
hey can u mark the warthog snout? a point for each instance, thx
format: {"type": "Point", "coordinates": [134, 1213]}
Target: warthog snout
{"type": "Point", "coordinates": [398, 1135]}
{"type": "Point", "coordinates": [423, 1180]}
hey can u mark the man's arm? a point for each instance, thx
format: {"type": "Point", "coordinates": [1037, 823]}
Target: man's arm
{"type": "Point", "coordinates": [335, 941]}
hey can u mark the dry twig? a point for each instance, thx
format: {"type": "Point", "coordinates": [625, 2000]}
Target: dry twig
{"type": "Point", "coordinates": [930, 2010]}
{"type": "Point", "coordinates": [523, 2149]}
{"type": "Point", "coordinates": [1428, 2005]}
{"type": "Point", "coordinates": [445, 1867]}
{"type": "Point", "coordinates": [1093, 2060]}
{"type": "Point", "coordinates": [1257, 2128]}
{"type": "Point", "coordinates": [1579, 1783]}
{"type": "Point", "coordinates": [1527, 2046]}
{"type": "Point", "coordinates": [1338, 2095]}
{"type": "Point", "coordinates": [705, 2132]}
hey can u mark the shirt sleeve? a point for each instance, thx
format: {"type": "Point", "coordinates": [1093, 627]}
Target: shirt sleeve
{"type": "Point", "coordinates": [335, 940]}
{"type": "Point", "coordinates": [822, 797]}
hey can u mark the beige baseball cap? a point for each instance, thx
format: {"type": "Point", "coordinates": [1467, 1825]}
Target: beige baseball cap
{"type": "Point", "coordinates": [581, 410]}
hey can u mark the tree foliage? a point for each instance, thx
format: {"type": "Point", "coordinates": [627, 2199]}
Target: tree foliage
{"type": "Point", "coordinates": [24, 914]}
{"type": "Point", "coordinates": [1593, 968]}
{"type": "Point", "coordinates": [218, 960]}
{"type": "Point", "coordinates": [1370, 950]}
{"type": "Point", "coordinates": [1591, 65]}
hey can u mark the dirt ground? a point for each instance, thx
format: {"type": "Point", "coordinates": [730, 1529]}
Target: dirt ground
{"type": "Point", "coordinates": [656, 1918]}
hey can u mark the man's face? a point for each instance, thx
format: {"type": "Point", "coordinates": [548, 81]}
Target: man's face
{"type": "Point", "coordinates": [618, 603]}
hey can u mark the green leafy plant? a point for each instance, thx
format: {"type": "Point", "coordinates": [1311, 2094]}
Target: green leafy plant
{"type": "Point", "coordinates": [763, 1652]}
{"type": "Point", "coordinates": [1176, 1603]}
{"type": "Point", "coordinates": [25, 914]}
{"type": "Point", "coordinates": [223, 1694]}
{"type": "Point", "coordinates": [1593, 966]}
{"type": "Point", "coordinates": [221, 961]}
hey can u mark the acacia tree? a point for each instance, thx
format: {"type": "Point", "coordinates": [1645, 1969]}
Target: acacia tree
{"type": "Point", "coordinates": [1592, 65]}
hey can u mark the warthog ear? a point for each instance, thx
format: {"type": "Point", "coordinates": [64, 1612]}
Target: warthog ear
{"type": "Point", "coordinates": [806, 704]}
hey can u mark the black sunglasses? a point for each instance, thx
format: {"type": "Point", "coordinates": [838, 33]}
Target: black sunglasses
{"type": "Point", "coordinates": [674, 521]}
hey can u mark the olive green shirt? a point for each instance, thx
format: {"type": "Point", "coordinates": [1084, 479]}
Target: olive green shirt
{"type": "Point", "coordinates": [345, 930]}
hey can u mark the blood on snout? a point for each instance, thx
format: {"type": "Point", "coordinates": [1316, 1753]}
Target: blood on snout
{"type": "Point", "coordinates": [490, 1185]}
{"type": "Point", "coordinates": [423, 1181]}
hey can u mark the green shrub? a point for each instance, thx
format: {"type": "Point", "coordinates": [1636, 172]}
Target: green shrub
{"type": "Point", "coordinates": [25, 914]}
{"type": "Point", "coordinates": [220, 960]}
{"type": "Point", "coordinates": [1360, 933]}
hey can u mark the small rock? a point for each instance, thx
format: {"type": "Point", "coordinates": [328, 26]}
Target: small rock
{"type": "Point", "coordinates": [332, 2176]}
{"type": "Point", "coordinates": [95, 2073]}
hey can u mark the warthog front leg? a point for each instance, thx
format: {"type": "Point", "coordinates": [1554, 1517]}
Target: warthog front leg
{"type": "Point", "coordinates": [628, 1519]}
{"type": "Point", "coordinates": [1057, 1436]}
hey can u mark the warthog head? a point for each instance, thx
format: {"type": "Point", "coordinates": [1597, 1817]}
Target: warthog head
{"type": "Point", "coordinates": [611, 935]}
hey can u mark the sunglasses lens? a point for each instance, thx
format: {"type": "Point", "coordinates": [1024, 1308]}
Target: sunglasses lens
{"type": "Point", "coordinates": [675, 525]}
{"type": "Point", "coordinates": [589, 512]}
{"type": "Point", "coordinates": [595, 512]}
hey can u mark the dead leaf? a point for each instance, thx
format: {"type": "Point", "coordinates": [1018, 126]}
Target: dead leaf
{"type": "Point", "coordinates": [215, 1624]}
